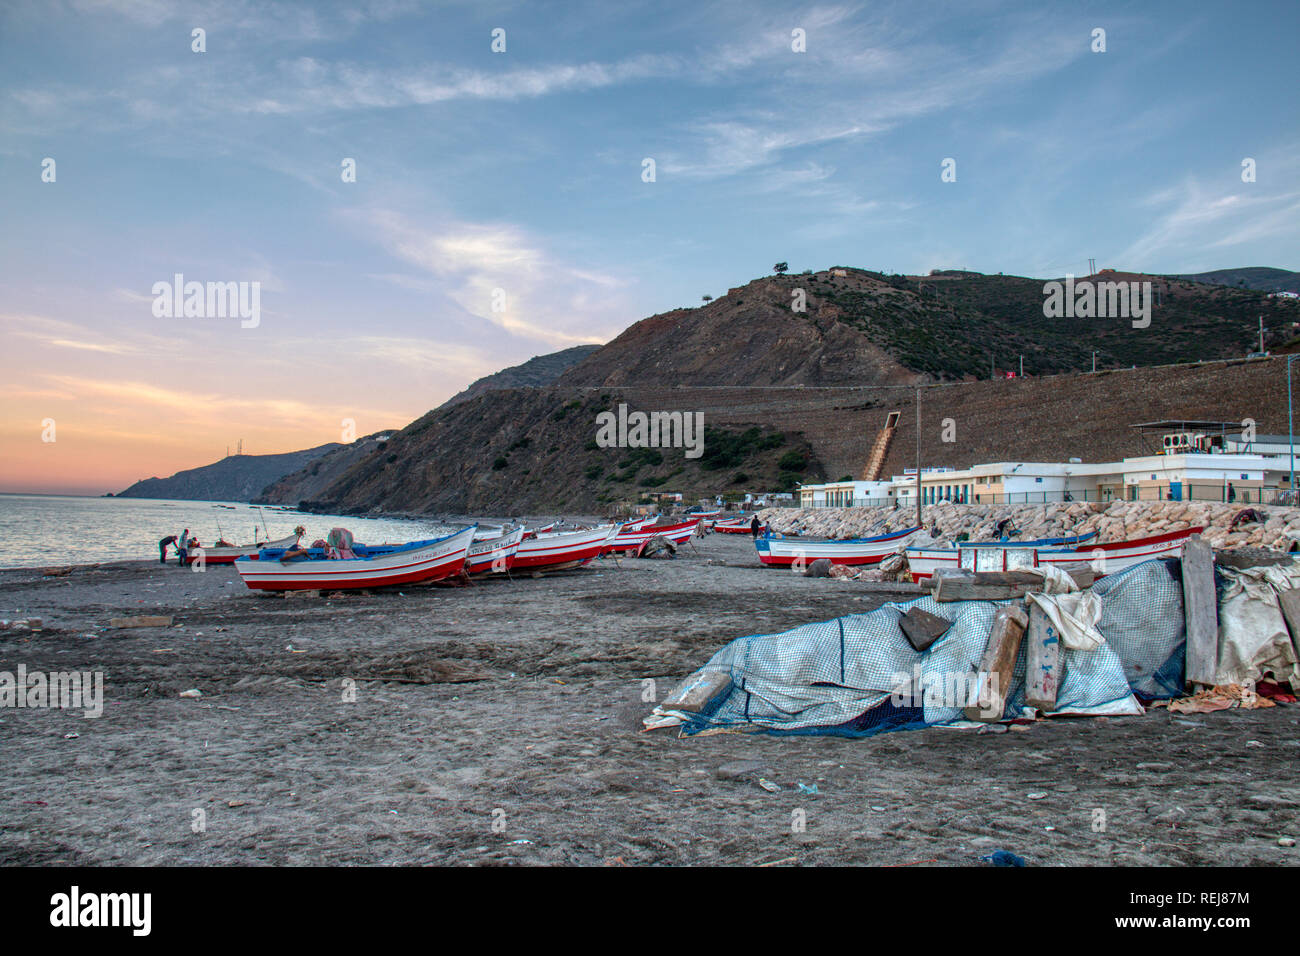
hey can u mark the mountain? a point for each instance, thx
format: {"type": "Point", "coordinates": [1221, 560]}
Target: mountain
{"type": "Point", "coordinates": [234, 478]}
{"type": "Point", "coordinates": [320, 472]}
{"type": "Point", "coordinates": [791, 396]}
{"type": "Point", "coordinates": [537, 371]}
{"type": "Point", "coordinates": [868, 328]}
{"type": "Point", "coordinates": [1263, 278]}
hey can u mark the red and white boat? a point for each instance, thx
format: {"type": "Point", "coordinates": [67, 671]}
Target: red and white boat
{"type": "Point", "coordinates": [923, 562]}
{"type": "Point", "coordinates": [627, 540]}
{"type": "Point", "coordinates": [1008, 556]}
{"type": "Point", "coordinates": [544, 529]}
{"type": "Point", "coordinates": [419, 562]}
{"type": "Point", "coordinates": [784, 552]}
{"type": "Point", "coordinates": [734, 525]}
{"type": "Point", "coordinates": [567, 549]}
{"type": "Point", "coordinates": [494, 555]}
{"type": "Point", "coordinates": [228, 554]}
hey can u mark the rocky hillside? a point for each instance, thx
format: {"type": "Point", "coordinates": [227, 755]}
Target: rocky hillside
{"type": "Point", "coordinates": [235, 478]}
{"type": "Point", "coordinates": [321, 472]}
{"type": "Point", "coordinates": [511, 451]}
{"type": "Point", "coordinates": [794, 396]}
{"type": "Point", "coordinates": [868, 328]}
{"type": "Point", "coordinates": [537, 371]}
{"type": "Point", "coordinates": [534, 449]}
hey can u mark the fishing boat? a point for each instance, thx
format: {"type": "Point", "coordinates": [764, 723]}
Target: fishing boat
{"type": "Point", "coordinates": [1105, 558]}
{"type": "Point", "coordinates": [563, 550]}
{"type": "Point", "coordinates": [704, 515]}
{"type": "Point", "coordinates": [222, 553]}
{"type": "Point", "coordinates": [923, 562]}
{"type": "Point", "coordinates": [631, 540]}
{"type": "Point", "coordinates": [734, 525]}
{"type": "Point", "coordinates": [784, 552]}
{"type": "Point", "coordinates": [419, 562]}
{"type": "Point", "coordinates": [494, 555]}
{"type": "Point", "coordinates": [534, 532]}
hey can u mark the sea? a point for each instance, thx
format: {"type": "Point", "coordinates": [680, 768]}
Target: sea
{"type": "Point", "coordinates": [56, 530]}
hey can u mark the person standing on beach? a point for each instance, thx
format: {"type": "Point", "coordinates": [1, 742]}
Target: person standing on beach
{"type": "Point", "coordinates": [162, 548]}
{"type": "Point", "coordinates": [754, 526]}
{"type": "Point", "coordinates": [183, 546]}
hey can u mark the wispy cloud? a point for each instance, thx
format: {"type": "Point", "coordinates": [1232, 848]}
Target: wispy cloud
{"type": "Point", "coordinates": [498, 273]}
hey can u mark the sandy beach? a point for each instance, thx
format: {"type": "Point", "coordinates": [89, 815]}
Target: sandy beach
{"type": "Point", "coordinates": [500, 724]}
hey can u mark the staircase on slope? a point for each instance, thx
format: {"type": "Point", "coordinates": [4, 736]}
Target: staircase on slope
{"type": "Point", "coordinates": [876, 463]}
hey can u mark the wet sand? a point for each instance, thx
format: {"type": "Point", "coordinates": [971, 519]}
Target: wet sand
{"type": "Point", "coordinates": [500, 724]}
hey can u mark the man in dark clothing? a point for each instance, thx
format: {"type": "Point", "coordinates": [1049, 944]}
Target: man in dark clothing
{"type": "Point", "coordinates": [754, 526]}
{"type": "Point", "coordinates": [162, 547]}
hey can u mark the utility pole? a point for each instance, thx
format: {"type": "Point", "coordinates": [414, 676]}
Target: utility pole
{"type": "Point", "coordinates": [992, 372]}
{"type": "Point", "coordinates": [1290, 427]}
{"type": "Point", "coordinates": [1022, 366]}
{"type": "Point", "coordinates": [1094, 361]}
{"type": "Point", "coordinates": [1261, 334]}
{"type": "Point", "coordinates": [919, 522]}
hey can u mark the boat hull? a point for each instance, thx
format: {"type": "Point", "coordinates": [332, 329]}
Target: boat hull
{"type": "Point", "coordinates": [627, 540]}
{"type": "Point", "coordinates": [785, 552]}
{"type": "Point", "coordinates": [419, 563]}
{"type": "Point", "coordinates": [494, 555]}
{"type": "Point", "coordinates": [985, 555]}
{"type": "Point", "coordinates": [568, 549]}
{"type": "Point", "coordinates": [231, 555]}
{"type": "Point", "coordinates": [1007, 556]}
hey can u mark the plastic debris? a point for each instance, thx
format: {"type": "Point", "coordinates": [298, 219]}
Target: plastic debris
{"type": "Point", "coordinates": [1003, 858]}
{"type": "Point", "coordinates": [804, 788]}
{"type": "Point", "coordinates": [768, 785]}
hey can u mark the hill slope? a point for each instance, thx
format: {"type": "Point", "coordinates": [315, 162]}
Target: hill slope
{"type": "Point", "coordinates": [866, 328]}
{"type": "Point", "coordinates": [537, 371]}
{"type": "Point", "coordinates": [320, 472]}
{"type": "Point", "coordinates": [1263, 278]}
{"type": "Point", "coordinates": [235, 478]}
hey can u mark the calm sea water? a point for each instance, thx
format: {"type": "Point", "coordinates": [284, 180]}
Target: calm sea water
{"type": "Point", "coordinates": [39, 530]}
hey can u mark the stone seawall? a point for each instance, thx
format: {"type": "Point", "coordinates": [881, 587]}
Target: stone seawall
{"type": "Point", "coordinates": [1116, 521]}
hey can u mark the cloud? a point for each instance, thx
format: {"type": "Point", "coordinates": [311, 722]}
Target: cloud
{"type": "Point", "coordinates": [498, 273]}
{"type": "Point", "coordinates": [1220, 214]}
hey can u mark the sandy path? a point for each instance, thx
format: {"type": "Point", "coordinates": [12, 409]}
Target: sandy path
{"type": "Point", "coordinates": [519, 703]}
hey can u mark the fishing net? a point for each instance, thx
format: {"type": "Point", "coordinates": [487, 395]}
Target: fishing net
{"type": "Point", "coordinates": [858, 675]}
{"type": "Point", "coordinates": [340, 538]}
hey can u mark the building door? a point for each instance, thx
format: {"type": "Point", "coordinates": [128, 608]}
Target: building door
{"type": "Point", "coordinates": [1175, 491]}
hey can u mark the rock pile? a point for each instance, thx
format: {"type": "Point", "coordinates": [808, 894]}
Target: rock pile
{"type": "Point", "coordinates": [1113, 521]}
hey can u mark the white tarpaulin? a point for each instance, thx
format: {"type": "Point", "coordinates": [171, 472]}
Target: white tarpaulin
{"type": "Point", "coordinates": [1253, 636]}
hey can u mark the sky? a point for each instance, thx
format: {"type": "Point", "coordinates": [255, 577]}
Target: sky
{"type": "Point", "coordinates": [502, 205]}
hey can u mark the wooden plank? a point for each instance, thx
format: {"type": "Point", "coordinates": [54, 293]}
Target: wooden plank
{"type": "Point", "coordinates": [921, 628]}
{"type": "Point", "coordinates": [143, 620]}
{"type": "Point", "coordinates": [1200, 611]}
{"type": "Point", "coordinates": [998, 663]}
{"type": "Point", "coordinates": [697, 691]}
{"type": "Point", "coordinates": [957, 585]}
{"type": "Point", "coordinates": [1042, 661]}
